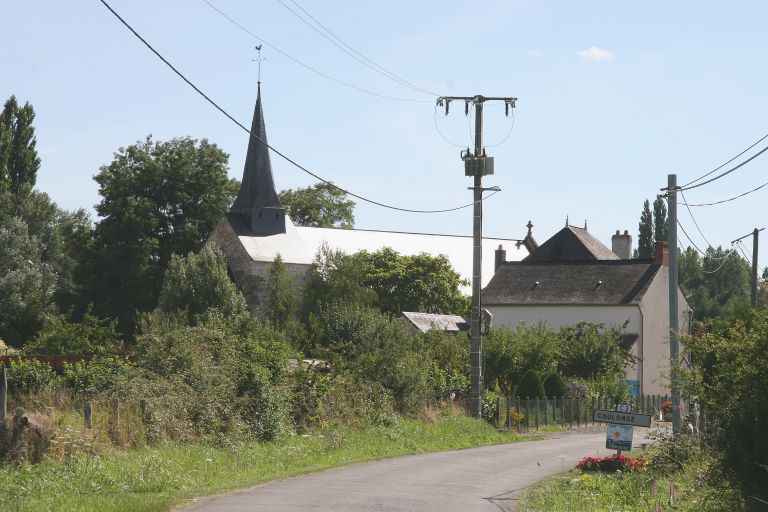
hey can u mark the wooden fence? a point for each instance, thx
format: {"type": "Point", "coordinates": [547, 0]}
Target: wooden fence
{"type": "Point", "coordinates": [526, 414]}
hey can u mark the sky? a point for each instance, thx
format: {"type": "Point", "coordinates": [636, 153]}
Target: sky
{"type": "Point", "coordinates": [613, 96]}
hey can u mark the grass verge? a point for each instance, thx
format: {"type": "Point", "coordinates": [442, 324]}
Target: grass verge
{"type": "Point", "coordinates": [683, 490]}
{"type": "Point", "coordinates": [154, 479]}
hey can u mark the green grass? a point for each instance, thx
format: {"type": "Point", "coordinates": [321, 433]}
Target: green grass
{"type": "Point", "coordinates": [154, 479]}
{"type": "Point", "coordinates": [627, 492]}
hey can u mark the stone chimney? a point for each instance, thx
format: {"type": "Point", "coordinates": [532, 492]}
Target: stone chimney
{"type": "Point", "coordinates": [621, 245]}
{"type": "Point", "coordinates": [662, 253]}
{"type": "Point", "coordinates": [501, 258]}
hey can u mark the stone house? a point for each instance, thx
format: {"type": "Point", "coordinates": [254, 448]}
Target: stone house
{"type": "Point", "coordinates": [573, 278]}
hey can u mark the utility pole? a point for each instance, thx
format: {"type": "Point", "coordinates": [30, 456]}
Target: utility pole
{"type": "Point", "coordinates": [755, 234]}
{"type": "Point", "coordinates": [476, 164]}
{"type": "Point", "coordinates": [674, 324]}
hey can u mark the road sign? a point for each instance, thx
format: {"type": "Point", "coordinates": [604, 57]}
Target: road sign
{"type": "Point", "coordinates": [623, 418]}
{"type": "Point", "coordinates": [619, 437]}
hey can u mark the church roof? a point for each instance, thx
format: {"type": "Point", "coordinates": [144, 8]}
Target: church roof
{"type": "Point", "coordinates": [257, 189]}
{"type": "Point", "coordinates": [572, 244]}
{"type": "Point", "coordinates": [605, 282]}
{"type": "Point", "coordinates": [300, 245]}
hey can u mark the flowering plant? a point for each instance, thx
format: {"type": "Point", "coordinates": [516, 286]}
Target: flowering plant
{"type": "Point", "coordinates": [612, 463]}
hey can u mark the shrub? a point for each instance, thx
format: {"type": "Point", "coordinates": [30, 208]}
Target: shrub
{"type": "Point", "coordinates": [530, 386]}
{"type": "Point", "coordinates": [490, 407]}
{"type": "Point", "coordinates": [509, 354]}
{"type": "Point", "coordinates": [95, 376]}
{"type": "Point", "coordinates": [90, 336]}
{"type": "Point", "coordinates": [554, 386]}
{"type": "Point", "coordinates": [30, 376]}
{"type": "Point", "coordinates": [612, 463]}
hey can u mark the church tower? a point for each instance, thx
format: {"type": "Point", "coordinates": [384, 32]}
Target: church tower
{"type": "Point", "coordinates": [257, 205]}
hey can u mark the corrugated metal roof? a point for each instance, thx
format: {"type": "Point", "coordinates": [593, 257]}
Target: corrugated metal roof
{"type": "Point", "coordinates": [428, 321]}
{"type": "Point", "coordinates": [300, 244]}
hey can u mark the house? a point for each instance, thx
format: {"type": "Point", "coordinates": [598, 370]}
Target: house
{"type": "Point", "coordinates": [257, 229]}
{"type": "Point", "coordinates": [573, 277]}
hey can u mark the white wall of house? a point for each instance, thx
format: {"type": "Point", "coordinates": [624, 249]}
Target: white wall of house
{"type": "Point", "coordinates": [556, 316]}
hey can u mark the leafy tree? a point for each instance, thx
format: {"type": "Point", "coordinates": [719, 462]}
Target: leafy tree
{"type": "Point", "coordinates": [282, 301]}
{"type": "Point", "coordinates": [90, 336]}
{"type": "Point", "coordinates": [158, 199]}
{"type": "Point", "coordinates": [589, 351]}
{"type": "Point", "coordinates": [19, 162]}
{"type": "Point", "coordinates": [385, 278]}
{"type": "Point", "coordinates": [716, 285]}
{"type": "Point", "coordinates": [321, 205]}
{"type": "Point", "coordinates": [509, 354]}
{"type": "Point", "coordinates": [530, 385]}
{"type": "Point", "coordinates": [26, 284]}
{"type": "Point", "coordinates": [554, 386]}
{"type": "Point", "coordinates": [660, 224]}
{"type": "Point", "coordinates": [197, 282]}
{"type": "Point", "coordinates": [645, 246]}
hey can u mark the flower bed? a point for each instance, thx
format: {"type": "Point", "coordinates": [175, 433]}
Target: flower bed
{"type": "Point", "coordinates": [612, 463]}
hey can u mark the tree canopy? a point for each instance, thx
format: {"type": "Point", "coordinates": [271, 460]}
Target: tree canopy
{"type": "Point", "coordinates": [645, 235]}
{"type": "Point", "coordinates": [321, 205]}
{"type": "Point", "coordinates": [716, 285]}
{"type": "Point", "coordinates": [19, 161]}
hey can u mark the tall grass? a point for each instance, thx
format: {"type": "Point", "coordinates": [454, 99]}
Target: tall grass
{"type": "Point", "coordinates": [153, 479]}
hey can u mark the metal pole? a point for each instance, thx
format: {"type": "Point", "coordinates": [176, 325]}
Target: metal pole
{"type": "Point", "coordinates": [755, 239]}
{"type": "Point", "coordinates": [674, 326]}
{"type": "Point", "coordinates": [476, 342]}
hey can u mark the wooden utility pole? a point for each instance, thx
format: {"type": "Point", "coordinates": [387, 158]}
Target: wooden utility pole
{"type": "Point", "coordinates": [674, 323]}
{"type": "Point", "coordinates": [755, 234]}
{"type": "Point", "coordinates": [476, 164]}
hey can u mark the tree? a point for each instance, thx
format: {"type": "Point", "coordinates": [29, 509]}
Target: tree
{"type": "Point", "coordinates": [509, 354]}
{"type": "Point", "coordinates": [26, 284]}
{"type": "Point", "coordinates": [158, 199]}
{"type": "Point", "coordinates": [19, 162]}
{"type": "Point", "coordinates": [660, 224]}
{"type": "Point", "coordinates": [322, 205]}
{"type": "Point", "coordinates": [282, 302]}
{"type": "Point", "coordinates": [197, 282]}
{"type": "Point", "coordinates": [590, 351]}
{"type": "Point", "coordinates": [530, 385]}
{"type": "Point", "coordinates": [554, 386]}
{"type": "Point", "coordinates": [645, 246]}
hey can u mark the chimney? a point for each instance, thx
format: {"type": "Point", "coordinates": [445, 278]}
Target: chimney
{"type": "Point", "coordinates": [621, 245]}
{"type": "Point", "coordinates": [662, 253]}
{"type": "Point", "coordinates": [501, 258]}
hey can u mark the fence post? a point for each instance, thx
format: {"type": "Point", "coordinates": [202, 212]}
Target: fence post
{"type": "Point", "coordinates": [88, 415]}
{"type": "Point", "coordinates": [3, 397]}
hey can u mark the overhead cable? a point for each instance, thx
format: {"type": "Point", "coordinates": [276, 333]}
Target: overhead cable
{"type": "Point", "coordinates": [726, 173]}
{"type": "Point", "coordinates": [303, 64]}
{"type": "Point", "coordinates": [262, 141]}
{"type": "Point", "coordinates": [328, 34]}
{"type": "Point", "coordinates": [739, 196]}
{"type": "Point", "coordinates": [761, 139]}
{"type": "Point", "coordinates": [690, 212]}
{"type": "Point", "coordinates": [740, 245]}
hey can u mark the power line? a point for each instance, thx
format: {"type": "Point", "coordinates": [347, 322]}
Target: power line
{"type": "Point", "coordinates": [328, 34]}
{"type": "Point", "coordinates": [761, 139]}
{"type": "Point", "coordinates": [690, 212]}
{"type": "Point", "coordinates": [729, 171]}
{"type": "Point", "coordinates": [730, 198]}
{"type": "Point", "coordinates": [303, 64]}
{"type": "Point", "coordinates": [274, 150]}
{"type": "Point", "coordinates": [698, 249]}
{"type": "Point", "coordinates": [740, 245]}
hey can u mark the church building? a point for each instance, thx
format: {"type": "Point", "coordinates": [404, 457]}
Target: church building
{"type": "Point", "coordinates": [257, 229]}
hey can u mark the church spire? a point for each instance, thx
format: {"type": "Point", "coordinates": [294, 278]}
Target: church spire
{"type": "Point", "coordinates": [257, 201]}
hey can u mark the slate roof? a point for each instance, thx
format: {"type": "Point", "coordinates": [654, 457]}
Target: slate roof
{"type": "Point", "coordinates": [257, 189]}
{"type": "Point", "coordinates": [428, 321]}
{"type": "Point", "coordinates": [572, 244]}
{"type": "Point", "coordinates": [605, 282]}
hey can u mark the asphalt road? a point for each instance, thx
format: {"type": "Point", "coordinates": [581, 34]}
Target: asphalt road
{"type": "Point", "coordinates": [488, 479]}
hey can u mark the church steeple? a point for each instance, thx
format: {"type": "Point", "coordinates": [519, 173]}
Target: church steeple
{"type": "Point", "coordinates": [257, 202]}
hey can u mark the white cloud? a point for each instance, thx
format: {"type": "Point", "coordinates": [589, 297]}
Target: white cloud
{"type": "Point", "coordinates": [595, 54]}
{"type": "Point", "coordinates": [535, 53]}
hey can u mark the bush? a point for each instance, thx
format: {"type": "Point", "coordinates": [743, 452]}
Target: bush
{"type": "Point", "coordinates": [530, 386]}
{"type": "Point", "coordinates": [509, 354]}
{"type": "Point", "coordinates": [30, 376]}
{"type": "Point", "coordinates": [91, 336]}
{"type": "Point", "coordinates": [554, 386]}
{"type": "Point", "coordinates": [95, 376]}
{"type": "Point", "coordinates": [490, 407]}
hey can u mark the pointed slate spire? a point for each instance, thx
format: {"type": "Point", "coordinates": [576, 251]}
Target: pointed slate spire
{"type": "Point", "coordinates": [257, 202]}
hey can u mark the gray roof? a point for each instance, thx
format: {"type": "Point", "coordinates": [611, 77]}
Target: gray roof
{"type": "Point", "coordinates": [606, 282]}
{"type": "Point", "coordinates": [572, 244]}
{"type": "Point", "coordinates": [429, 321]}
{"type": "Point", "coordinates": [257, 189]}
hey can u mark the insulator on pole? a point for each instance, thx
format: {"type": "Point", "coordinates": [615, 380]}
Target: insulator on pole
{"type": "Point", "coordinates": [466, 108]}
{"type": "Point", "coordinates": [506, 108]}
{"type": "Point", "coordinates": [447, 103]}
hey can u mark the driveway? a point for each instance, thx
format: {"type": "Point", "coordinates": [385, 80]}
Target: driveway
{"type": "Point", "coordinates": [488, 479]}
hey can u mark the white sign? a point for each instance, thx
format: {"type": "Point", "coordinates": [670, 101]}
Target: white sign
{"type": "Point", "coordinates": [619, 437]}
{"type": "Point", "coordinates": [623, 418]}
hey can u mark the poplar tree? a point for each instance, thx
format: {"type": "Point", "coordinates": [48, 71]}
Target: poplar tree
{"type": "Point", "coordinates": [645, 237]}
{"type": "Point", "coordinates": [660, 219]}
{"type": "Point", "coordinates": [19, 161]}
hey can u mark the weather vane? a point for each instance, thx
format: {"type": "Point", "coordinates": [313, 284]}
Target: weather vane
{"type": "Point", "coordinates": [259, 58]}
